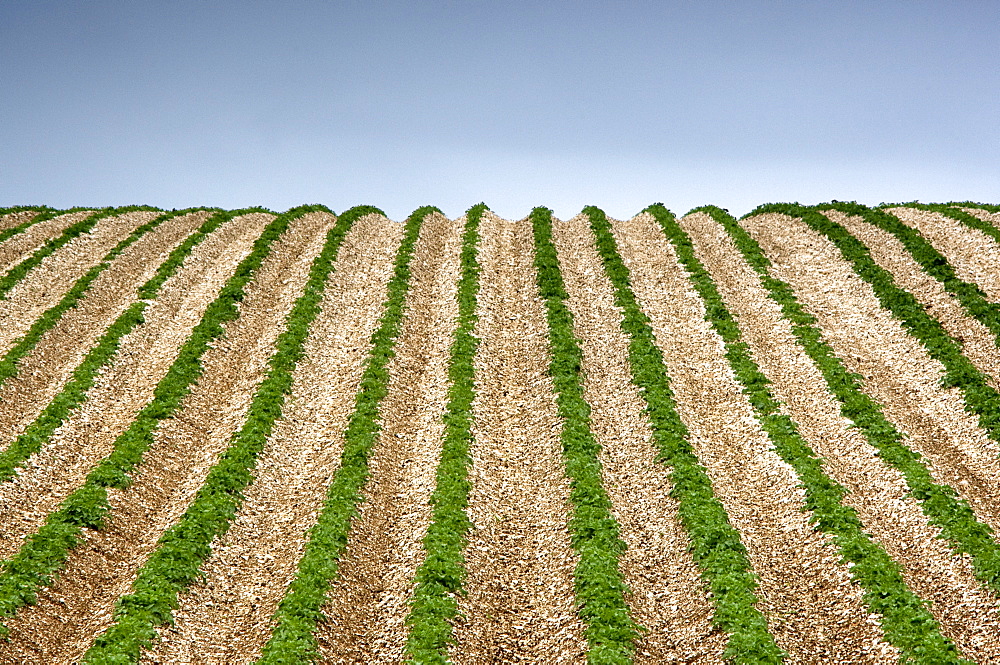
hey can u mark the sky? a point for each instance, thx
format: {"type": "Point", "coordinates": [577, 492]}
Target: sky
{"type": "Point", "coordinates": [517, 104]}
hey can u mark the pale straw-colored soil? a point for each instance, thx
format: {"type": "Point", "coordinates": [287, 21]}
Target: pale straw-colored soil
{"type": "Point", "coordinates": [18, 247]}
{"type": "Point", "coordinates": [668, 596]}
{"type": "Point", "coordinates": [813, 609]}
{"type": "Point", "coordinates": [46, 283]}
{"type": "Point", "coordinates": [966, 610]}
{"type": "Point", "coordinates": [125, 386]}
{"type": "Point", "coordinates": [227, 617]}
{"type": "Point", "coordinates": [520, 605]}
{"type": "Point", "coordinates": [79, 606]}
{"type": "Point", "coordinates": [974, 255]}
{"type": "Point", "coordinates": [43, 373]}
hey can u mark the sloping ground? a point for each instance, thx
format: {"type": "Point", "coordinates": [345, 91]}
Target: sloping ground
{"type": "Point", "coordinates": [310, 437]}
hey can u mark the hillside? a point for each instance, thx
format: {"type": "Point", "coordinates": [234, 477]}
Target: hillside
{"type": "Point", "coordinates": [249, 436]}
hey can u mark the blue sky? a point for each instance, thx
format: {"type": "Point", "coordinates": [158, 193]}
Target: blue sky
{"type": "Point", "coordinates": [564, 104]}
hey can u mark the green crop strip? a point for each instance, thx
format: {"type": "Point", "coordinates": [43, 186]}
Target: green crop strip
{"type": "Point", "coordinates": [971, 297]}
{"type": "Point", "coordinates": [905, 621]}
{"type": "Point", "coordinates": [24, 345]}
{"type": "Point", "coordinates": [47, 550]}
{"type": "Point", "coordinates": [44, 212]}
{"type": "Point", "coordinates": [600, 589]}
{"type": "Point", "coordinates": [715, 544]}
{"type": "Point", "coordinates": [952, 515]}
{"type": "Point", "coordinates": [980, 398]}
{"type": "Point", "coordinates": [953, 210]}
{"type": "Point", "coordinates": [293, 638]}
{"type": "Point", "coordinates": [440, 578]}
{"type": "Point", "coordinates": [180, 552]}
{"type": "Point", "coordinates": [82, 379]}
{"type": "Point", "coordinates": [17, 273]}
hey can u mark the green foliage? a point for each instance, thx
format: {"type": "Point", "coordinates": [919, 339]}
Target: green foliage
{"type": "Point", "coordinates": [971, 297]}
{"type": "Point", "coordinates": [180, 552]}
{"type": "Point", "coordinates": [82, 379]}
{"type": "Point", "coordinates": [440, 577]}
{"type": "Point", "coordinates": [594, 533]}
{"type": "Point", "coordinates": [905, 621]}
{"type": "Point", "coordinates": [43, 213]}
{"type": "Point", "coordinates": [47, 550]}
{"type": "Point", "coordinates": [953, 210]}
{"type": "Point", "coordinates": [293, 638]}
{"type": "Point", "coordinates": [980, 397]}
{"type": "Point", "coordinates": [715, 544]}
{"type": "Point", "coordinates": [24, 345]}
{"type": "Point", "coordinates": [940, 503]}
{"type": "Point", "coordinates": [85, 225]}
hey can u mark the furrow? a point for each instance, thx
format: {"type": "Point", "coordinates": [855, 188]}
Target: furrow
{"type": "Point", "coordinates": [227, 616]}
{"type": "Point", "coordinates": [126, 385]}
{"type": "Point", "coordinates": [877, 491]}
{"type": "Point", "coordinates": [974, 255]}
{"type": "Point", "coordinates": [440, 579]}
{"type": "Point", "coordinates": [668, 596]}
{"type": "Point", "coordinates": [992, 218]}
{"type": "Point", "coordinates": [519, 604]}
{"type": "Point", "coordinates": [11, 220]}
{"type": "Point", "coordinates": [813, 609]}
{"type": "Point", "coordinates": [594, 533]}
{"type": "Point", "coordinates": [367, 606]}
{"type": "Point", "coordinates": [44, 371]}
{"type": "Point", "coordinates": [45, 285]}
{"type": "Point", "coordinates": [979, 345]}
{"type": "Point", "coordinates": [79, 605]}
{"type": "Point", "coordinates": [896, 370]}
{"type": "Point", "coordinates": [19, 247]}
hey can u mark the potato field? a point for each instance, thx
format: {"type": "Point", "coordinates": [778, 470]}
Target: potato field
{"type": "Point", "coordinates": [234, 436]}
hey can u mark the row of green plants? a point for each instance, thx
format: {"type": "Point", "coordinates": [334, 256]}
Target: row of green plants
{"type": "Point", "coordinates": [932, 262]}
{"type": "Point", "coordinates": [24, 345]}
{"type": "Point", "coordinates": [594, 532]}
{"type": "Point", "coordinates": [46, 551]}
{"type": "Point", "coordinates": [293, 639]}
{"type": "Point", "coordinates": [980, 397]}
{"type": "Point", "coordinates": [43, 213]}
{"type": "Point", "coordinates": [954, 211]}
{"type": "Point", "coordinates": [906, 622]}
{"type": "Point", "coordinates": [940, 503]}
{"type": "Point", "coordinates": [100, 355]}
{"type": "Point", "coordinates": [715, 544]}
{"type": "Point", "coordinates": [175, 563]}
{"type": "Point", "coordinates": [81, 227]}
{"type": "Point", "coordinates": [441, 576]}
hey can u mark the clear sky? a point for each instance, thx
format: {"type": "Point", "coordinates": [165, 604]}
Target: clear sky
{"type": "Point", "coordinates": [564, 104]}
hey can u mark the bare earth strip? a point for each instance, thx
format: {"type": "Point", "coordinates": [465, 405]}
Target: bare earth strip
{"type": "Point", "coordinates": [227, 618]}
{"type": "Point", "coordinates": [978, 343]}
{"type": "Point", "coordinates": [968, 613]}
{"type": "Point", "coordinates": [63, 625]}
{"type": "Point", "coordinates": [10, 220]}
{"type": "Point", "coordinates": [127, 384]}
{"type": "Point", "coordinates": [814, 611]}
{"type": "Point", "coordinates": [520, 605]}
{"type": "Point", "coordinates": [368, 604]}
{"type": "Point", "coordinates": [668, 595]}
{"type": "Point", "coordinates": [19, 247]}
{"type": "Point", "coordinates": [45, 285]}
{"type": "Point", "coordinates": [898, 373]}
{"type": "Point", "coordinates": [985, 215]}
{"type": "Point", "coordinates": [973, 254]}
{"type": "Point", "coordinates": [43, 373]}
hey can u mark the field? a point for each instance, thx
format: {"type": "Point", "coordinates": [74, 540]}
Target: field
{"type": "Point", "coordinates": [248, 436]}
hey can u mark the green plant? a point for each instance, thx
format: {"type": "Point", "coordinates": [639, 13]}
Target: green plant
{"type": "Point", "coordinates": [440, 577]}
{"type": "Point", "coordinates": [715, 544]}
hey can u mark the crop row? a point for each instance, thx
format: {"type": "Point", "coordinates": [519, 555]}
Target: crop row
{"type": "Point", "coordinates": [601, 589]}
